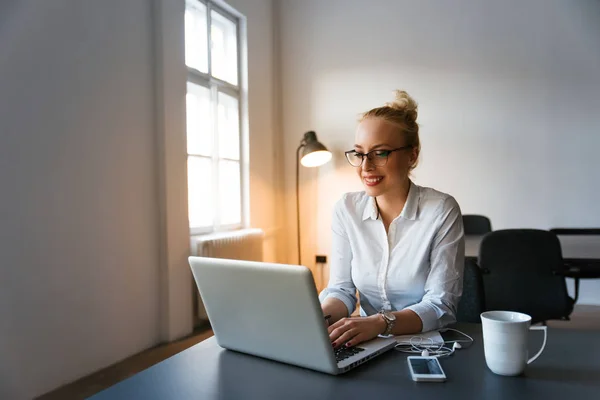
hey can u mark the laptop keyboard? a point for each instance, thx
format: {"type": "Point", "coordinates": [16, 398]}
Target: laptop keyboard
{"type": "Point", "coordinates": [344, 352]}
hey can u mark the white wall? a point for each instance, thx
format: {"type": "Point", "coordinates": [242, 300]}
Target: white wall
{"type": "Point", "coordinates": [79, 232]}
{"type": "Point", "coordinates": [508, 95]}
{"type": "Point", "coordinates": [86, 257]}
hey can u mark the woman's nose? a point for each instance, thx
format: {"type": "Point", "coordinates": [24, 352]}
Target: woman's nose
{"type": "Point", "coordinates": [367, 165]}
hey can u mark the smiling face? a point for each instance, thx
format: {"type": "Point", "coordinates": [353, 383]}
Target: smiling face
{"type": "Point", "coordinates": [379, 134]}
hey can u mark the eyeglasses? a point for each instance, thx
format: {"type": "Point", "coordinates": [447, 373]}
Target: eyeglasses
{"type": "Point", "coordinates": [376, 157]}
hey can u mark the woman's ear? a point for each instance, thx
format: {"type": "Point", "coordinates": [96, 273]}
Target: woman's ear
{"type": "Point", "coordinates": [414, 156]}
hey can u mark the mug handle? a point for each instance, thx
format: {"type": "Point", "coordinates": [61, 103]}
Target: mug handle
{"type": "Point", "coordinates": [539, 328]}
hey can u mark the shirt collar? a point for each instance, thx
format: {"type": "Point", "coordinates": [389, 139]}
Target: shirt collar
{"type": "Point", "coordinates": [408, 212]}
{"type": "Point", "coordinates": [412, 203]}
{"type": "Point", "coordinates": [370, 210]}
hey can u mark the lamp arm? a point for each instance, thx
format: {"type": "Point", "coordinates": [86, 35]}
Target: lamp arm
{"type": "Point", "coordinates": [298, 199]}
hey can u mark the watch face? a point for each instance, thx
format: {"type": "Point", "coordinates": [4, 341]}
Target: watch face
{"type": "Point", "coordinates": [390, 316]}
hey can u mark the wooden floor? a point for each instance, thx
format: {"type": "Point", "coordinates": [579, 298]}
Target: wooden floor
{"type": "Point", "coordinates": [584, 317]}
{"type": "Point", "coordinates": [107, 377]}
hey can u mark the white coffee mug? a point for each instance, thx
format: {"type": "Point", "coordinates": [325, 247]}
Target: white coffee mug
{"type": "Point", "coordinates": [505, 341]}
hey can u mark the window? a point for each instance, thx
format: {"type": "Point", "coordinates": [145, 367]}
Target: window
{"type": "Point", "coordinates": [213, 118]}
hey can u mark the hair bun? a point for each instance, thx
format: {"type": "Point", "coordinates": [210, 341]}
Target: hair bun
{"type": "Point", "coordinates": [404, 103]}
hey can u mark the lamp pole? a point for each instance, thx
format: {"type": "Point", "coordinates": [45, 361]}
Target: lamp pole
{"type": "Point", "coordinates": [298, 198]}
{"type": "Point", "coordinates": [314, 154]}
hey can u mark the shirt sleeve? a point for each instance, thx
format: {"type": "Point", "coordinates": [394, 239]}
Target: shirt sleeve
{"type": "Point", "coordinates": [340, 284]}
{"type": "Point", "coordinates": [443, 287]}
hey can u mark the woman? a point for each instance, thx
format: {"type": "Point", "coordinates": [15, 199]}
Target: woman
{"type": "Point", "coordinates": [400, 245]}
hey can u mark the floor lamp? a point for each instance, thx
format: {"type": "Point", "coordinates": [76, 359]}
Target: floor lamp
{"type": "Point", "coordinates": [314, 154]}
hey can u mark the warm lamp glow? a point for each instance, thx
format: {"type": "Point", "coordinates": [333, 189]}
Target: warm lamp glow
{"type": "Point", "coordinates": [316, 158]}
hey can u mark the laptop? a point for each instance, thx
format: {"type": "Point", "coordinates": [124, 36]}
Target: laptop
{"type": "Point", "coordinates": [273, 311]}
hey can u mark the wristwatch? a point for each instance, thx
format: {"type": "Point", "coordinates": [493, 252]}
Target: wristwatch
{"type": "Point", "coordinates": [390, 320]}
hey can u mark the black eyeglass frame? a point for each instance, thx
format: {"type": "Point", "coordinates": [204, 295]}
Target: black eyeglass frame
{"type": "Point", "coordinates": [372, 158]}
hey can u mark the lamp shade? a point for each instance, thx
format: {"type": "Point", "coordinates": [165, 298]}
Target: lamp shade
{"type": "Point", "coordinates": [314, 153]}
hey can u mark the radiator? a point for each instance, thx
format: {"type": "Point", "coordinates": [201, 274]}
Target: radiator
{"type": "Point", "coordinates": [246, 244]}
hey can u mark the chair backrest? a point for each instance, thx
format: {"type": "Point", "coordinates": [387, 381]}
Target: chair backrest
{"type": "Point", "coordinates": [520, 267]}
{"type": "Point", "coordinates": [476, 224]}
{"type": "Point", "coordinates": [472, 302]}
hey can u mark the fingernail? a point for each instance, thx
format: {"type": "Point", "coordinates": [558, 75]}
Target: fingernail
{"type": "Point", "coordinates": [348, 344]}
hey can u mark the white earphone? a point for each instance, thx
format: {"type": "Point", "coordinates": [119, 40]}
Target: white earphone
{"type": "Point", "coordinates": [426, 347]}
{"type": "Point", "coordinates": [442, 351]}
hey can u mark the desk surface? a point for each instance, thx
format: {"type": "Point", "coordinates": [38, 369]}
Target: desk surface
{"type": "Point", "coordinates": [570, 366]}
{"type": "Point", "coordinates": [573, 246]}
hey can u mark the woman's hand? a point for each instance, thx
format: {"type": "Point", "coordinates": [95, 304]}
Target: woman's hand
{"type": "Point", "coordinates": [354, 330]}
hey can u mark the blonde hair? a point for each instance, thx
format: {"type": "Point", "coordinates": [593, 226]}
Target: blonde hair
{"type": "Point", "coordinates": [403, 113]}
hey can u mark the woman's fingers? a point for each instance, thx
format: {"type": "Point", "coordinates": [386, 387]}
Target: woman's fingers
{"type": "Point", "coordinates": [351, 331]}
{"type": "Point", "coordinates": [345, 337]}
{"type": "Point", "coordinates": [359, 338]}
{"type": "Point", "coordinates": [345, 330]}
{"type": "Point", "coordinates": [336, 333]}
{"type": "Point", "coordinates": [335, 330]}
{"type": "Point", "coordinates": [339, 323]}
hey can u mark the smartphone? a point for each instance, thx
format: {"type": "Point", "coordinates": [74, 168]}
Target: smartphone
{"type": "Point", "coordinates": [426, 369]}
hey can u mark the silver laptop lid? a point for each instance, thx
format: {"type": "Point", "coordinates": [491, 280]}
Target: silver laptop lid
{"type": "Point", "coordinates": [265, 309]}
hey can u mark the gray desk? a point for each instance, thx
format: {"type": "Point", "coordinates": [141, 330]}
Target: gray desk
{"type": "Point", "coordinates": [574, 247]}
{"type": "Point", "coordinates": [569, 368]}
{"type": "Point", "coordinates": [580, 246]}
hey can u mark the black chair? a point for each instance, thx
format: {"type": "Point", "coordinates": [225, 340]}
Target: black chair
{"type": "Point", "coordinates": [521, 266]}
{"type": "Point", "coordinates": [472, 302]}
{"type": "Point", "coordinates": [476, 224]}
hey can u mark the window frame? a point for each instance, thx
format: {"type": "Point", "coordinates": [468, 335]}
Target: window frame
{"type": "Point", "coordinates": [239, 92]}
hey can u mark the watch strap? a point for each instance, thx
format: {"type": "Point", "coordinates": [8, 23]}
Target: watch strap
{"type": "Point", "coordinates": [389, 324]}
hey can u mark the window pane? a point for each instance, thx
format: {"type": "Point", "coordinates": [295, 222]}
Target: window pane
{"type": "Point", "coordinates": [196, 36]}
{"type": "Point", "coordinates": [201, 204]}
{"type": "Point", "coordinates": [199, 120]}
{"type": "Point", "coordinates": [229, 127]}
{"type": "Point", "coordinates": [230, 203]}
{"type": "Point", "coordinates": [224, 60]}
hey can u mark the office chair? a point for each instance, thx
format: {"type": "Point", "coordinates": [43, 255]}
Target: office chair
{"type": "Point", "coordinates": [520, 267]}
{"type": "Point", "coordinates": [476, 224]}
{"type": "Point", "coordinates": [472, 302]}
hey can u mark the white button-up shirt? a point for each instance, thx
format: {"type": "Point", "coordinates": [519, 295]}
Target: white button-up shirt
{"type": "Point", "coordinates": [418, 265]}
